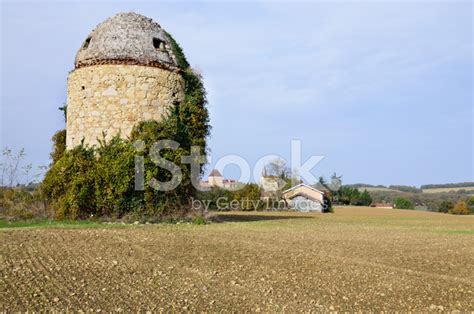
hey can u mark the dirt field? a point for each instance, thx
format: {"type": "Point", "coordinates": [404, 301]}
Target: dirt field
{"type": "Point", "coordinates": [356, 259]}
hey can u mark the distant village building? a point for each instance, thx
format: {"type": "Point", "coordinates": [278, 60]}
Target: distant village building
{"type": "Point", "coordinates": [216, 180]}
{"type": "Point", "coordinates": [304, 198]}
{"type": "Point", "coordinates": [270, 186]}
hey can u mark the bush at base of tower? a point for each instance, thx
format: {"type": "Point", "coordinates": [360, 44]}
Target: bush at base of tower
{"type": "Point", "coordinates": [100, 181]}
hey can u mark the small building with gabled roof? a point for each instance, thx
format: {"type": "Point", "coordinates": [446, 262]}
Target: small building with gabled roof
{"type": "Point", "coordinates": [303, 197]}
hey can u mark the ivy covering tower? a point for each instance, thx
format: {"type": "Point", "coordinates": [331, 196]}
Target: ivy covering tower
{"type": "Point", "coordinates": [131, 84]}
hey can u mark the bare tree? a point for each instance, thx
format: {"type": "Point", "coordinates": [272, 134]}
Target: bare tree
{"type": "Point", "coordinates": [27, 173]}
{"type": "Point", "coordinates": [277, 168]}
{"type": "Point", "coordinates": [6, 156]}
{"type": "Point", "coordinates": [41, 171]}
{"type": "Point", "coordinates": [11, 166]}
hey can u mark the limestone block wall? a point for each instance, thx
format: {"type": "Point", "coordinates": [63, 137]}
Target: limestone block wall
{"type": "Point", "coordinates": [114, 98]}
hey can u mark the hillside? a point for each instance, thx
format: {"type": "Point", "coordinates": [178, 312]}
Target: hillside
{"type": "Point", "coordinates": [464, 187]}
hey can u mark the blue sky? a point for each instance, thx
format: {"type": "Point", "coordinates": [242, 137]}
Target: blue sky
{"type": "Point", "coordinates": [384, 90]}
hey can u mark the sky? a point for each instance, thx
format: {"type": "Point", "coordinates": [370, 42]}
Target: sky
{"type": "Point", "coordinates": [382, 90]}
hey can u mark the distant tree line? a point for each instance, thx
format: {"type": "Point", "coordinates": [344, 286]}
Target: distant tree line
{"type": "Point", "coordinates": [460, 201]}
{"type": "Point", "coordinates": [402, 188]}
{"type": "Point", "coordinates": [405, 188]}
{"type": "Point", "coordinates": [414, 189]}
{"type": "Point", "coordinates": [448, 185]}
{"type": "Point", "coordinates": [364, 185]}
{"type": "Point", "coordinates": [352, 196]}
{"type": "Point", "coordinates": [437, 202]}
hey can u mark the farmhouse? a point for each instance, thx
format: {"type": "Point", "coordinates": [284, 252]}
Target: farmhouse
{"type": "Point", "coordinates": [304, 198]}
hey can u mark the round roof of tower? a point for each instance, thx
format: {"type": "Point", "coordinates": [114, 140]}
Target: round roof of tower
{"type": "Point", "coordinates": [127, 38]}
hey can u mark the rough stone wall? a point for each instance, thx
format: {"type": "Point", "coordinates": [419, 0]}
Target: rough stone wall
{"type": "Point", "coordinates": [114, 98]}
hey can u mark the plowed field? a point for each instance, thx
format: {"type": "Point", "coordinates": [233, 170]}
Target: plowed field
{"type": "Point", "coordinates": [355, 259]}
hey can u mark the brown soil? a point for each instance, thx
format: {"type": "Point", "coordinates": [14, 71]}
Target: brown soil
{"type": "Point", "coordinates": [356, 259]}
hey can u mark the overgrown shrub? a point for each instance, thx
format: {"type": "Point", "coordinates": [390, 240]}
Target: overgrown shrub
{"type": "Point", "coordinates": [470, 204]}
{"type": "Point", "coordinates": [20, 203]}
{"type": "Point", "coordinates": [59, 145]}
{"type": "Point", "coordinates": [247, 196]}
{"type": "Point", "coordinates": [445, 206]}
{"type": "Point", "coordinates": [212, 198]}
{"type": "Point", "coordinates": [403, 203]}
{"type": "Point", "coordinates": [198, 220]}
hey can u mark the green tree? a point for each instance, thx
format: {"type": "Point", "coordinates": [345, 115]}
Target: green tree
{"type": "Point", "coordinates": [355, 197]}
{"type": "Point", "coordinates": [470, 204]}
{"type": "Point", "coordinates": [365, 198]}
{"type": "Point", "coordinates": [359, 199]}
{"type": "Point", "coordinates": [445, 206]}
{"type": "Point", "coordinates": [248, 197]}
{"type": "Point", "coordinates": [59, 145]}
{"type": "Point", "coordinates": [403, 203]}
{"type": "Point", "coordinates": [345, 194]}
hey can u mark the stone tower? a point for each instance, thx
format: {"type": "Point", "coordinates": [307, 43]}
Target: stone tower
{"type": "Point", "coordinates": [125, 72]}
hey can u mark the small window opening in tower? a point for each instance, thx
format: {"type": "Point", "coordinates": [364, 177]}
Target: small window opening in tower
{"type": "Point", "coordinates": [158, 43]}
{"type": "Point", "coordinates": [86, 43]}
